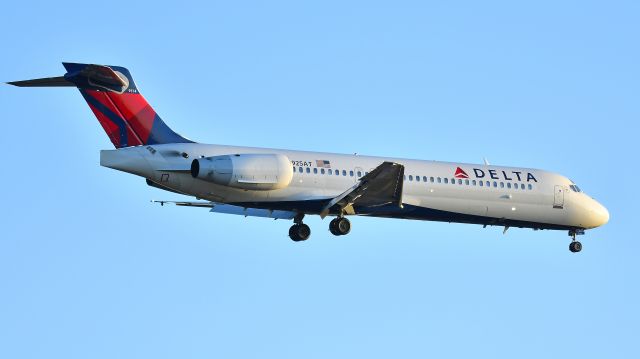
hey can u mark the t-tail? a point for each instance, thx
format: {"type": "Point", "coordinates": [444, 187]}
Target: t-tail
{"type": "Point", "coordinates": [113, 97]}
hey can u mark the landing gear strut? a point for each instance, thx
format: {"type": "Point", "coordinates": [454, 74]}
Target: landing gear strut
{"type": "Point", "coordinates": [340, 226]}
{"type": "Point", "coordinates": [575, 246]}
{"type": "Point", "coordinates": [299, 231]}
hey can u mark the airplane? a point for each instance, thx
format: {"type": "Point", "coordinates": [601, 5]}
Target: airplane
{"type": "Point", "coordinates": [288, 184]}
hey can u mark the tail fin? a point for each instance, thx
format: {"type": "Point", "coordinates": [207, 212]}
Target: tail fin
{"type": "Point", "coordinates": [113, 97]}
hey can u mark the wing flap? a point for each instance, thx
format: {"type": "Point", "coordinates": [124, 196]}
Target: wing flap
{"type": "Point", "coordinates": [380, 187]}
{"type": "Point", "coordinates": [237, 210]}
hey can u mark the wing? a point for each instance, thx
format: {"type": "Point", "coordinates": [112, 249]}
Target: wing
{"type": "Point", "coordinates": [380, 187]}
{"type": "Point", "coordinates": [238, 210]}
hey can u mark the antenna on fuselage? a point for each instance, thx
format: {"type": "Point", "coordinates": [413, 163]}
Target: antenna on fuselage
{"type": "Point", "coordinates": [486, 162]}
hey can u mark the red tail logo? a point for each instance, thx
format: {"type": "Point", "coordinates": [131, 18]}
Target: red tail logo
{"type": "Point", "coordinates": [460, 173]}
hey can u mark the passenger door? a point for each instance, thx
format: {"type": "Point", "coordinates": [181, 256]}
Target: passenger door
{"type": "Point", "coordinates": [558, 197]}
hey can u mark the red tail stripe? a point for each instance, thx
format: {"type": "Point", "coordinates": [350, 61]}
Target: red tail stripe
{"type": "Point", "coordinates": [130, 131]}
{"type": "Point", "coordinates": [137, 112]}
{"type": "Point", "coordinates": [102, 97]}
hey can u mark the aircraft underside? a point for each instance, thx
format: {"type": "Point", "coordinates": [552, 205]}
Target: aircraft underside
{"type": "Point", "coordinates": [407, 211]}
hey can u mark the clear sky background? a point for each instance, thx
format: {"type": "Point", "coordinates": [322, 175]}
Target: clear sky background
{"type": "Point", "coordinates": [89, 268]}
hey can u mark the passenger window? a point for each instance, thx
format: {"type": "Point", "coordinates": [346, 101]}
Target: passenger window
{"type": "Point", "coordinates": [439, 180]}
{"type": "Point", "coordinates": [417, 178]}
{"type": "Point", "coordinates": [330, 172]}
{"type": "Point", "coordinates": [453, 181]}
{"type": "Point", "coordinates": [308, 170]}
{"type": "Point", "coordinates": [473, 182]}
{"type": "Point", "coordinates": [344, 172]}
{"type": "Point", "coordinates": [488, 184]}
{"type": "Point", "coordinates": [300, 169]}
{"type": "Point", "coordinates": [530, 186]}
{"type": "Point", "coordinates": [351, 173]}
{"type": "Point", "coordinates": [337, 173]}
{"type": "Point", "coordinates": [315, 170]}
{"type": "Point", "coordinates": [410, 178]}
{"type": "Point", "coordinates": [294, 169]}
{"type": "Point", "coordinates": [466, 182]}
{"type": "Point", "coordinates": [366, 173]}
{"type": "Point", "coordinates": [495, 184]}
{"type": "Point", "coordinates": [446, 180]}
{"type": "Point", "coordinates": [359, 174]}
{"type": "Point", "coordinates": [424, 178]}
{"type": "Point", "coordinates": [522, 186]}
{"type": "Point", "coordinates": [515, 186]}
{"type": "Point", "coordinates": [508, 184]}
{"type": "Point", "coordinates": [501, 184]}
{"type": "Point", "coordinates": [322, 170]}
{"type": "Point", "coordinates": [481, 183]}
{"type": "Point", "coordinates": [459, 181]}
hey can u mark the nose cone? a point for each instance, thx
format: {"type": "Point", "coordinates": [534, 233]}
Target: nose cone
{"type": "Point", "coordinates": [597, 215]}
{"type": "Point", "coordinates": [601, 215]}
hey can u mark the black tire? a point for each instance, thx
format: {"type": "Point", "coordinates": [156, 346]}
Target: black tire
{"type": "Point", "coordinates": [293, 233]}
{"type": "Point", "coordinates": [333, 227]}
{"type": "Point", "coordinates": [303, 232]}
{"type": "Point", "coordinates": [343, 226]}
{"type": "Point", "coordinates": [575, 247]}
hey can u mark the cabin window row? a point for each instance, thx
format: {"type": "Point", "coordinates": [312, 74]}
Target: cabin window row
{"type": "Point", "coordinates": [468, 182]}
{"type": "Point", "coordinates": [329, 171]}
{"type": "Point", "coordinates": [411, 178]}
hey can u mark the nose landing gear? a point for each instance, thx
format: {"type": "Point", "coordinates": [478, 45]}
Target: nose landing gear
{"type": "Point", "coordinates": [575, 246]}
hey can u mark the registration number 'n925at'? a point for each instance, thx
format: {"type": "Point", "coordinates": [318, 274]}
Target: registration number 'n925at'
{"type": "Point", "coordinates": [301, 163]}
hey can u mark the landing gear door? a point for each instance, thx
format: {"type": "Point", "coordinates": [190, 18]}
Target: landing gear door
{"type": "Point", "coordinates": [558, 197]}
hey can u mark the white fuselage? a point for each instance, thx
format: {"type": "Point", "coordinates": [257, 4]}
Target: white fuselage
{"type": "Point", "coordinates": [482, 194]}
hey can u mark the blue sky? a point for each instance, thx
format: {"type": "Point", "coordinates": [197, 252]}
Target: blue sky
{"type": "Point", "coordinates": [90, 268]}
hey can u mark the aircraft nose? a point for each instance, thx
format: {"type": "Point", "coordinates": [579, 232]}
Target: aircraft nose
{"type": "Point", "coordinates": [601, 214]}
{"type": "Point", "coordinates": [598, 214]}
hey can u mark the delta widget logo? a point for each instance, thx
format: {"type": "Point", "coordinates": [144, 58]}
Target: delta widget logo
{"type": "Point", "coordinates": [460, 173]}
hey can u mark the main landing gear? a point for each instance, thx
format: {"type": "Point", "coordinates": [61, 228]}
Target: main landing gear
{"type": "Point", "coordinates": [575, 246]}
{"type": "Point", "coordinates": [339, 226]}
{"type": "Point", "coordinates": [299, 231]}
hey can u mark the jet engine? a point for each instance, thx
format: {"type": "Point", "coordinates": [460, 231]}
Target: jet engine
{"type": "Point", "coordinates": [245, 171]}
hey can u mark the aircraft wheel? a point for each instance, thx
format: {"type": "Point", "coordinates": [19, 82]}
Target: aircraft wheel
{"type": "Point", "coordinates": [299, 232]}
{"type": "Point", "coordinates": [575, 247]}
{"type": "Point", "coordinates": [343, 226]}
{"type": "Point", "coordinates": [333, 227]}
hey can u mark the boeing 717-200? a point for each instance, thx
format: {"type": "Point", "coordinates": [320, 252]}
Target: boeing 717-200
{"type": "Point", "coordinates": [287, 184]}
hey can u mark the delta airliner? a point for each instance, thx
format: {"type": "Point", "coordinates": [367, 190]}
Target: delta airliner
{"type": "Point", "coordinates": [287, 184]}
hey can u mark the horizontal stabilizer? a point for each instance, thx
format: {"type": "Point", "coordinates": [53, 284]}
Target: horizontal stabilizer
{"type": "Point", "coordinates": [59, 81]}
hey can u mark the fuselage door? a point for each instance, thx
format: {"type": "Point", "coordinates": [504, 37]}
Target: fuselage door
{"type": "Point", "coordinates": [558, 197]}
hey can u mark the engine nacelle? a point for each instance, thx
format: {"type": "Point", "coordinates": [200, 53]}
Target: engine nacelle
{"type": "Point", "coordinates": [245, 171]}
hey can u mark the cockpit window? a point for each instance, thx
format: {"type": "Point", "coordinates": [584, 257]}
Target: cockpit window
{"type": "Point", "coordinates": [575, 188]}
